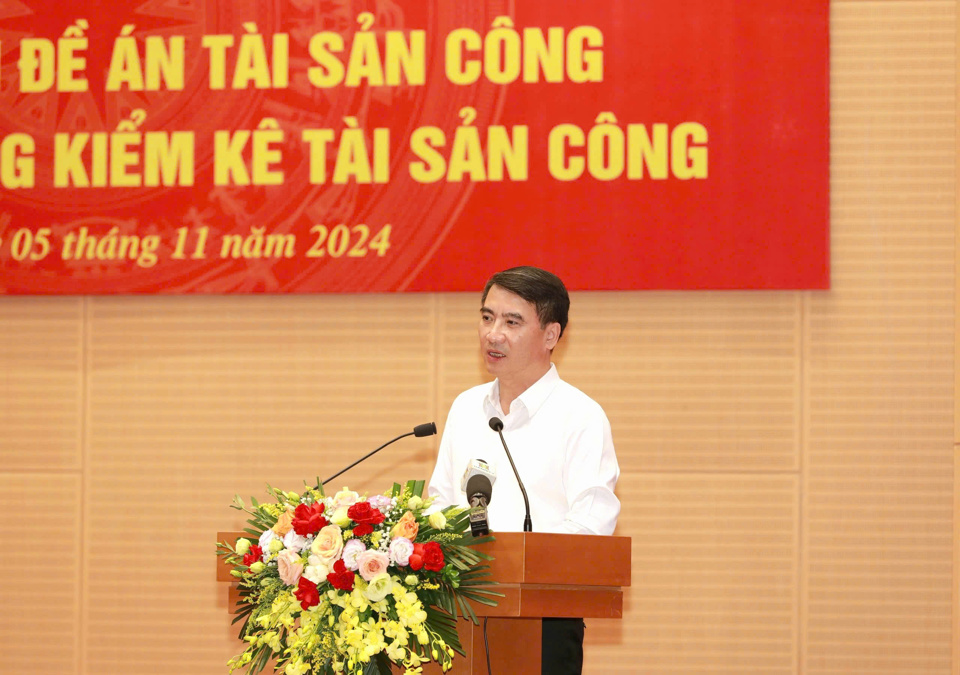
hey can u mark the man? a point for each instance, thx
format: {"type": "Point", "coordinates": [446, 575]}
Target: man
{"type": "Point", "coordinates": [559, 437]}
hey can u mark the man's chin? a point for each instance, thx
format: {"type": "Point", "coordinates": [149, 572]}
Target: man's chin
{"type": "Point", "coordinates": [492, 365]}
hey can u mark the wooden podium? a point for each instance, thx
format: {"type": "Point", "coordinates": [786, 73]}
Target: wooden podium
{"type": "Point", "coordinates": [540, 575]}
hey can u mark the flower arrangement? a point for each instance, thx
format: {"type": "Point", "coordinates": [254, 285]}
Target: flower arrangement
{"type": "Point", "coordinates": [346, 584]}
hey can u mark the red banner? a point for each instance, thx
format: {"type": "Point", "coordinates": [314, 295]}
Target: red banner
{"type": "Point", "coordinates": [304, 146]}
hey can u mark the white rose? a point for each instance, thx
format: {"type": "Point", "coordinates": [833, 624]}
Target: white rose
{"type": "Point", "coordinates": [345, 498]}
{"type": "Point", "coordinates": [317, 569]}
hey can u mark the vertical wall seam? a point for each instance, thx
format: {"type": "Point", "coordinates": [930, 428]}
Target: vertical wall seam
{"type": "Point", "coordinates": [436, 305]}
{"type": "Point", "coordinates": [956, 352]}
{"type": "Point", "coordinates": [802, 490]}
{"type": "Point", "coordinates": [84, 470]}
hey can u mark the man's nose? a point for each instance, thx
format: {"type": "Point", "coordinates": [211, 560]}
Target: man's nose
{"type": "Point", "coordinates": [496, 333]}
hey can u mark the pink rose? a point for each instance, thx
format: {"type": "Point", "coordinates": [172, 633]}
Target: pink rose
{"type": "Point", "coordinates": [289, 566]}
{"type": "Point", "coordinates": [372, 563]}
{"type": "Point", "coordinates": [381, 502]}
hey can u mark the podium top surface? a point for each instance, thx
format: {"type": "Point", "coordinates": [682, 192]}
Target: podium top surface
{"type": "Point", "coordinates": [559, 559]}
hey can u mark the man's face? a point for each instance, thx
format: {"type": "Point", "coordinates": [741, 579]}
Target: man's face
{"type": "Point", "coordinates": [512, 342]}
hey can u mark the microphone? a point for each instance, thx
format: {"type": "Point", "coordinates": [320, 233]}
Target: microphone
{"type": "Point", "coordinates": [477, 483]}
{"type": "Point", "coordinates": [497, 425]}
{"type": "Point", "coordinates": [421, 430]}
{"type": "Point", "coordinates": [428, 429]}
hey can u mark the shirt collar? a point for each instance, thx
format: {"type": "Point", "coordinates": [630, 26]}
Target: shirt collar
{"type": "Point", "coordinates": [531, 400]}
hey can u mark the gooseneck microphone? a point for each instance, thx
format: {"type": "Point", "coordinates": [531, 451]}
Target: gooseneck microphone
{"type": "Point", "coordinates": [427, 429]}
{"type": "Point", "coordinates": [497, 425]}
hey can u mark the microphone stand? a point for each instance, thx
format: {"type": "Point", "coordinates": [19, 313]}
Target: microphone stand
{"type": "Point", "coordinates": [420, 430]}
{"type": "Point", "coordinates": [497, 425]}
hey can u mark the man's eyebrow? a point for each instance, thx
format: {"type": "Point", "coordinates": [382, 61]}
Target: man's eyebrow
{"type": "Point", "coordinates": [510, 315]}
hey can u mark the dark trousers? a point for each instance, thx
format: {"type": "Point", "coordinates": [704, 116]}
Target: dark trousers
{"type": "Point", "coordinates": [561, 649]}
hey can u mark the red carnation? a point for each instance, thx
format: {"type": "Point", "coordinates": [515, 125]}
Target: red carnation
{"type": "Point", "coordinates": [363, 513]}
{"type": "Point", "coordinates": [308, 519]}
{"type": "Point", "coordinates": [362, 529]}
{"type": "Point", "coordinates": [416, 558]}
{"type": "Point", "coordinates": [341, 578]}
{"type": "Point", "coordinates": [307, 593]}
{"type": "Point", "coordinates": [433, 556]}
{"type": "Point", "coordinates": [253, 556]}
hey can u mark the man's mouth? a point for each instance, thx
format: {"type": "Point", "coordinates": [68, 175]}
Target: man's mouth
{"type": "Point", "coordinates": [495, 354]}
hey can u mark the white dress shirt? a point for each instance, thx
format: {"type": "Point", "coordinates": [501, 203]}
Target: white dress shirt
{"type": "Point", "coordinates": [561, 443]}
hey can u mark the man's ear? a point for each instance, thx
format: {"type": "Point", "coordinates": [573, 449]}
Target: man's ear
{"type": "Point", "coordinates": [552, 335]}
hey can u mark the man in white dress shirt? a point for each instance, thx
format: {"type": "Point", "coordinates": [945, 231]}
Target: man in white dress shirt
{"type": "Point", "coordinates": [559, 437]}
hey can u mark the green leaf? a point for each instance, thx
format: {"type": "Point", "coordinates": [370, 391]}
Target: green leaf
{"type": "Point", "coordinates": [466, 611]}
{"type": "Point", "coordinates": [445, 602]}
{"type": "Point", "coordinates": [261, 662]}
{"type": "Point", "coordinates": [411, 484]}
{"type": "Point", "coordinates": [445, 625]}
{"type": "Point", "coordinates": [375, 667]}
{"type": "Point", "coordinates": [243, 613]}
{"type": "Point", "coordinates": [384, 663]}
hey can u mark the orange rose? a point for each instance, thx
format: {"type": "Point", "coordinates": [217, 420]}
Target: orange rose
{"type": "Point", "coordinates": [284, 523]}
{"type": "Point", "coordinates": [407, 527]}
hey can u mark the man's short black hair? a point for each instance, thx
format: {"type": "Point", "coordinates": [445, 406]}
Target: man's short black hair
{"type": "Point", "coordinates": [539, 287]}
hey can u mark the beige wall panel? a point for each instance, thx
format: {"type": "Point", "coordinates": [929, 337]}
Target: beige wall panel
{"type": "Point", "coordinates": [715, 572]}
{"type": "Point", "coordinates": [40, 383]}
{"type": "Point", "coordinates": [459, 366]}
{"type": "Point", "coordinates": [194, 399]}
{"type": "Point", "coordinates": [690, 381]}
{"type": "Point", "coordinates": [40, 573]}
{"type": "Point", "coordinates": [878, 463]}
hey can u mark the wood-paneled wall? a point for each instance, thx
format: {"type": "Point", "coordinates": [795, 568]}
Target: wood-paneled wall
{"type": "Point", "coordinates": [790, 460]}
